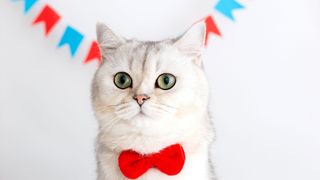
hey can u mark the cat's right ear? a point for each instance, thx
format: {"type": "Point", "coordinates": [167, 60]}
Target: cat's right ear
{"type": "Point", "coordinates": [108, 41]}
{"type": "Point", "coordinates": [192, 42]}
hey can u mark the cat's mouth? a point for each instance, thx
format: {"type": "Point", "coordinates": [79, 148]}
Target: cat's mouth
{"type": "Point", "coordinates": [141, 112]}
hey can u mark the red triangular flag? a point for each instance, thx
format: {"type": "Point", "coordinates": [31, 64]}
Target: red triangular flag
{"type": "Point", "coordinates": [211, 28]}
{"type": "Point", "coordinates": [49, 17]}
{"type": "Point", "coordinates": [94, 53]}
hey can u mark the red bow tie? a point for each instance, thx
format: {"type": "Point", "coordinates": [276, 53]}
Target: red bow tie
{"type": "Point", "coordinates": [169, 161]}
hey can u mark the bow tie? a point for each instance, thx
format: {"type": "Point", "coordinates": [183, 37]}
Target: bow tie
{"type": "Point", "coordinates": [169, 160]}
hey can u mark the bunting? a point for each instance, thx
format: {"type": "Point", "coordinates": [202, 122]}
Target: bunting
{"type": "Point", "coordinates": [226, 7]}
{"type": "Point", "coordinates": [27, 4]}
{"type": "Point", "coordinates": [94, 53]}
{"type": "Point", "coordinates": [211, 28]}
{"type": "Point", "coordinates": [49, 17]}
{"type": "Point", "coordinates": [72, 38]}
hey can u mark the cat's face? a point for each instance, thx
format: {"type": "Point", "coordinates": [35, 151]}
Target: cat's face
{"type": "Point", "coordinates": [147, 86]}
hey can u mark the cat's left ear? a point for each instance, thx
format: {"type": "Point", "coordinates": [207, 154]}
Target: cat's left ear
{"type": "Point", "coordinates": [192, 42]}
{"type": "Point", "coordinates": [108, 41]}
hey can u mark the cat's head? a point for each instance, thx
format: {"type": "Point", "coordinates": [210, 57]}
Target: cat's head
{"type": "Point", "coordinates": [150, 87]}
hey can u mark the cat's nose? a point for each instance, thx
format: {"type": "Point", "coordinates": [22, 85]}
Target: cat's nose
{"type": "Point", "coordinates": [141, 98]}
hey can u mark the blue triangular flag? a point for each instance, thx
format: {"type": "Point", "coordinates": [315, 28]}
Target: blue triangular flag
{"type": "Point", "coordinates": [27, 4]}
{"type": "Point", "coordinates": [72, 38]}
{"type": "Point", "coordinates": [226, 7]}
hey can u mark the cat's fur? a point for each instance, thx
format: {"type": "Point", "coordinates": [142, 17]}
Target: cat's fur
{"type": "Point", "coordinates": [179, 115]}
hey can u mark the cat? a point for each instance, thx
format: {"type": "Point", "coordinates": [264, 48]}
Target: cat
{"type": "Point", "coordinates": [148, 96]}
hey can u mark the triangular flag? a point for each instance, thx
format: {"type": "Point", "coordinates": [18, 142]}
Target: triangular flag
{"type": "Point", "coordinates": [49, 17]}
{"type": "Point", "coordinates": [226, 7]}
{"type": "Point", "coordinates": [72, 38]}
{"type": "Point", "coordinates": [211, 28]}
{"type": "Point", "coordinates": [27, 4]}
{"type": "Point", "coordinates": [94, 53]}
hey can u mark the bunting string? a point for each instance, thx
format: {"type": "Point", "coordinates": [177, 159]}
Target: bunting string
{"type": "Point", "coordinates": [73, 38]}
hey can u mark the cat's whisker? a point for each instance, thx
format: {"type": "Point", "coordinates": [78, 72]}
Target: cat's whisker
{"type": "Point", "coordinates": [128, 115]}
{"type": "Point", "coordinates": [167, 105]}
{"type": "Point", "coordinates": [119, 105]}
{"type": "Point", "coordinates": [113, 105]}
{"type": "Point", "coordinates": [123, 110]}
{"type": "Point", "coordinates": [127, 112]}
{"type": "Point", "coordinates": [122, 106]}
{"type": "Point", "coordinates": [158, 110]}
{"type": "Point", "coordinates": [107, 126]}
{"type": "Point", "coordinates": [164, 108]}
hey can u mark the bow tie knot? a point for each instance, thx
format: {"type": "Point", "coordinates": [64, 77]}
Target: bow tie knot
{"type": "Point", "coordinates": [169, 160]}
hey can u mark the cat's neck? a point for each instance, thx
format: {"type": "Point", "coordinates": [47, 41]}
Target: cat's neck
{"type": "Point", "coordinates": [189, 138]}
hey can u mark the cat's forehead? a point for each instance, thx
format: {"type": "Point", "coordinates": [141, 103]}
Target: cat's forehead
{"type": "Point", "coordinates": [143, 57]}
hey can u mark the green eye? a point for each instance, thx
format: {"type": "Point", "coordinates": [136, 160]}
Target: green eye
{"type": "Point", "coordinates": [166, 81]}
{"type": "Point", "coordinates": [122, 80]}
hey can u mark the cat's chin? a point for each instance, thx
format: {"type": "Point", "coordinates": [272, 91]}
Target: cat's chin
{"type": "Point", "coordinates": [142, 117]}
{"type": "Point", "coordinates": [144, 113]}
{"type": "Point", "coordinates": [143, 121]}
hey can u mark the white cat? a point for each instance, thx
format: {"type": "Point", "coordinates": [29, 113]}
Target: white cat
{"type": "Point", "coordinates": [148, 96]}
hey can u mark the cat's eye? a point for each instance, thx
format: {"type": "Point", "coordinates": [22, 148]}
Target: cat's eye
{"type": "Point", "coordinates": [166, 81]}
{"type": "Point", "coordinates": [122, 80]}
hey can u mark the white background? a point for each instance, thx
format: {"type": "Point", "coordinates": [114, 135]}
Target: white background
{"type": "Point", "coordinates": [264, 75]}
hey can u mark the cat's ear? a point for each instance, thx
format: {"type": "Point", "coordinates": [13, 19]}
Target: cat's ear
{"type": "Point", "coordinates": [108, 41]}
{"type": "Point", "coordinates": [192, 41]}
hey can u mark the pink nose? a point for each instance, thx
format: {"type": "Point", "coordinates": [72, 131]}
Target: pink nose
{"type": "Point", "coordinates": [141, 98]}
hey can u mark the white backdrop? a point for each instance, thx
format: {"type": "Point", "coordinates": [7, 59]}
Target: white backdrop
{"type": "Point", "coordinates": [264, 75]}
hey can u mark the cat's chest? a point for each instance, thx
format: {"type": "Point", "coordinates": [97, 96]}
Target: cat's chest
{"type": "Point", "coordinates": [189, 172]}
